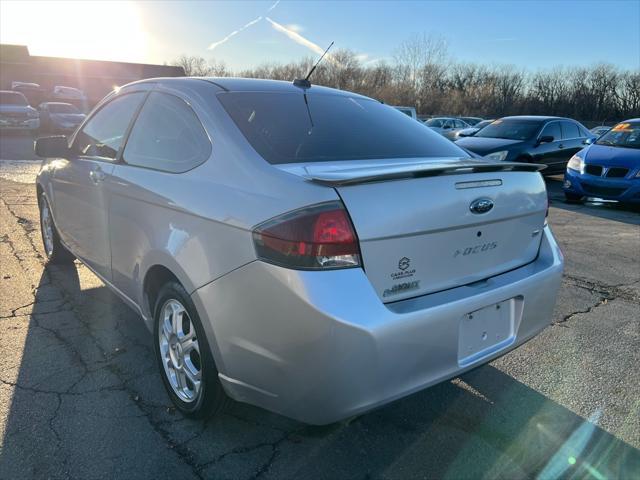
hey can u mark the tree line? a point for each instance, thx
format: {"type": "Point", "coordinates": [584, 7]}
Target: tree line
{"type": "Point", "coordinates": [423, 74]}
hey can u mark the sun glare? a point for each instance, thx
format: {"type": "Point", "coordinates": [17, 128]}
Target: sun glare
{"type": "Point", "coordinates": [101, 30]}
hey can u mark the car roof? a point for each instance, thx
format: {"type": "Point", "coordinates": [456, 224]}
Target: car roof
{"type": "Point", "coordinates": [535, 118]}
{"type": "Point", "coordinates": [236, 84]}
{"type": "Point", "coordinates": [631, 120]}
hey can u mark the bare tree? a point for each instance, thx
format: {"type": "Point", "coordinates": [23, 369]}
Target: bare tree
{"type": "Point", "coordinates": [422, 74]}
{"type": "Point", "coordinates": [193, 66]}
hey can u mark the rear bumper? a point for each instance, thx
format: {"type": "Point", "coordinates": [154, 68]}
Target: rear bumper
{"type": "Point", "coordinates": [320, 346]}
{"type": "Point", "coordinates": [623, 190]}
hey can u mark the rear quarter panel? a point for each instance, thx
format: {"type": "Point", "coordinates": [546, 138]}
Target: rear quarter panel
{"type": "Point", "coordinates": [198, 224]}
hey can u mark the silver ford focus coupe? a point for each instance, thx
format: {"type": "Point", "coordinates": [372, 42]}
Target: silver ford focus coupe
{"type": "Point", "coordinates": [307, 250]}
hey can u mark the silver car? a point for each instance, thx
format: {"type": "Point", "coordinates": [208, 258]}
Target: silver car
{"type": "Point", "coordinates": [307, 250]}
{"type": "Point", "coordinates": [445, 126]}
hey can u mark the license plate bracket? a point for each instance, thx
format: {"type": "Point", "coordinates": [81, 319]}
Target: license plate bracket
{"type": "Point", "coordinates": [485, 331]}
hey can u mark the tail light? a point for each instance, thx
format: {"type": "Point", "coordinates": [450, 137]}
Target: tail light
{"type": "Point", "coordinates": [313, 238]}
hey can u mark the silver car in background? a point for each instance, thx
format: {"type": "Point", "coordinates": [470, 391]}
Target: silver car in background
{"type": "Point", "coordinates": [304, 249]}
{"type": "Point", "coordinates": [447, 127]}
{"type": "Point", "coordinates": [471, 131]}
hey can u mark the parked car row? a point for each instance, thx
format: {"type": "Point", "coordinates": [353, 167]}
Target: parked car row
{"type": "Point", "coordinates": [550, 141]}
{"type": "Point", "coordinates": [603, 162]}
{"type": "Point", "coordinates": [36, 94]}
{"type": "Point", "coordinates": [17, 114]}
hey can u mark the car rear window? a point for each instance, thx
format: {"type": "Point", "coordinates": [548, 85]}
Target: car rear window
{"type": "Point", "coordinates": [294, 127]}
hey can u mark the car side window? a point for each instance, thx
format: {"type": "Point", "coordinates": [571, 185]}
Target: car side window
{"type": "Point", "coordinates": [167, 136]}
{"type": "Point", "coordinates": [552, 129]}
{"type": "Point", "coordinates": [104, 133]}
{"type": "Point", "coordinates": [570, 130]}
{"type": "Point", "coordinates": [460, 124]}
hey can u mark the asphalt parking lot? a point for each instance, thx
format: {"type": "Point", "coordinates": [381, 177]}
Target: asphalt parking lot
{"type": "Point", "coordinates": [81, 397]}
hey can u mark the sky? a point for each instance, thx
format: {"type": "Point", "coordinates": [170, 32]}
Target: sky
{"type": "Point", "coordinates": [532, 35]}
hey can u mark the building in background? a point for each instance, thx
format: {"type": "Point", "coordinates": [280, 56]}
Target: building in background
{"type": "Point", "coordinates": [95, 78]}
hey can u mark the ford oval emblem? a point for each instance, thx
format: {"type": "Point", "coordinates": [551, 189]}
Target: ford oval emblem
{"type": "Point", "coordinates": [481, 205]}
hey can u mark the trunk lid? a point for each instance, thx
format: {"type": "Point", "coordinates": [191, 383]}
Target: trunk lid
{"type": "Point", "coordinates": [417, 229]}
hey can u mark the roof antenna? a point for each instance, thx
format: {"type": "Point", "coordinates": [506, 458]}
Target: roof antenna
{"type": "Point", "coordinates": [304, 82]}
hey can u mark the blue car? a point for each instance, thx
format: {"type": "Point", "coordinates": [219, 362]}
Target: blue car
{"type": "Point", "coordinates": [609, 168]}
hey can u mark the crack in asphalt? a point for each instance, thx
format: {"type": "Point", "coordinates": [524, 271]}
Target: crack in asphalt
{"type": "Point", "coordinates": [146, 409]}
{"type": "Point", "coordinates": [606, 293]}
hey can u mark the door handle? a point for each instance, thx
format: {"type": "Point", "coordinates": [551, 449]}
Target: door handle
{"type": "Point", "coordinates": [97, 175]}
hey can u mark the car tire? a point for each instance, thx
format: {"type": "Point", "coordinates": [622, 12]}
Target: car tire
{"type": "Point", "coordinates": [186, 364]}
{"type": "Point", "coordinates": [572, 197]}
{"type": "Point", "coordinates": [54, 250]}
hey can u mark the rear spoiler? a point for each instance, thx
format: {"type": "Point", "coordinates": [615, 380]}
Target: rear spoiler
{"type": "Point", "coordinates": [352, 176]}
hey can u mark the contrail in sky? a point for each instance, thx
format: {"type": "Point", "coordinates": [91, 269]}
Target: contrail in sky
{"type": "Point", "coordinates": [235, 32]}
{"type": "Point", "coordinates": [299, 39]}
{"type": "Point", "coordinates": [273, 6]}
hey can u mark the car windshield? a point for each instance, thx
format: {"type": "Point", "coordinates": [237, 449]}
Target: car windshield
{"type": "Point", "coordinates": [63, 108]}
{"type": "Point", "coordinates": [297, 127]}
{"type": "Point", "coordinates": [483, 124]}
{"type": "Point", "coordinates": [434, 122]}
{"type": "Point", "coordinates": [12, 98]}
{"type": "Point", "coordinates": [510, 129]}
{"type": "Point", "coordinates": [624, 135]}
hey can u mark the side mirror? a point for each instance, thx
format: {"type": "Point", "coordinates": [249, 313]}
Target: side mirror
{"type": "Point", "coordinates": [446, 127]}
{"type": "Point", "coordinates": [546, 139]}
{"type": "Point", "coordinates": [589, 140]}
{"type": "Point", "coordinates": [52, 147]}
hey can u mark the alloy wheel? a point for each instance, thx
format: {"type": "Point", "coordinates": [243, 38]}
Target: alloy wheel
{"type": "Point", "coordinates": [180, 351]}
{"type": "Point", "coordinates": [47, 228]}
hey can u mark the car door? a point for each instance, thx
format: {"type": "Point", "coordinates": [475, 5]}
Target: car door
{"type": "Point", "coordinates": [80, 184]}
{"type": "Point", "coordinates": [572, 138]}
{"type": "Point", "coordinates": [166, 141]}
{"type": "Point", "coordinates": [550, 153]}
